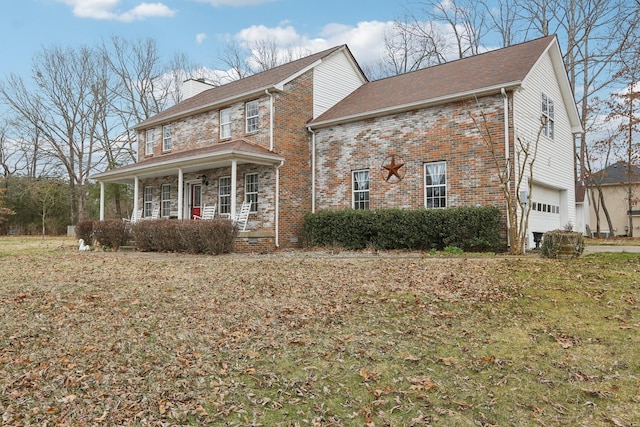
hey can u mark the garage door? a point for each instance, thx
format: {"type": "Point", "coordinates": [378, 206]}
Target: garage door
{"type": "Point", "coordinates": [545, 209]}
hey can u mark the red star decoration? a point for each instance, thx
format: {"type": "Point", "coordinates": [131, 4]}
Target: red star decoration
{"type": "Point", "coordinates": [393, 168]}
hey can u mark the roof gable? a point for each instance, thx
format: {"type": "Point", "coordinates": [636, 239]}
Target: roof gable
{"type": "Point", "coordinates": [484, 73]}
{"type": "Point", "coordinates": [273, 78]}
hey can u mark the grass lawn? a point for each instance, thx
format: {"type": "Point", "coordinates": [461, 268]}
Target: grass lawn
{"type": "Point", "coordinates": [305, 338]}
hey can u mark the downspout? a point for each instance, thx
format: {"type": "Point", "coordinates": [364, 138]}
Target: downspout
{"type": "Point", "coordinates": [507, 154]}
{"type": "Point", "coordinates": [313, 170]}
{"type": "Point", "coordinates": [271, 145]}
{"type": "Point", "coordinates": [277, 242]}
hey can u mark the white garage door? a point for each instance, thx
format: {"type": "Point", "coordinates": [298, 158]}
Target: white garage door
{"type": "Point", "coordinates": [545, 210]}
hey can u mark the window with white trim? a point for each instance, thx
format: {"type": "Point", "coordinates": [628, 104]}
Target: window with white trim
{"type": "Point", "coordinates": [149, 142]}
{"type": "Point", "coordinates": [148, 201]}
{"type": "Point", "coordinates": [435, 185]}
{"type": "Point", "coordinates": [360, 185]}
{"type": "Point", "coordinates": [165, 200]}
{"type": "Point", "coordinates": [225, 123]}
{"type": "Point", "coordinates": [224, 195]}
{"type": "Point", "coordinates": [166, 137]}
{"type": "Point", "coordinates": [251, 113]}
{"type": "Point", "coordinates": [547, 116]}
{"type": "Point", "coordinates": [251, 190]}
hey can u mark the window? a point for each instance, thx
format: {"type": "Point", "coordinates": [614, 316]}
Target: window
{"type": "Point", "coordinates": [251, 190]}
{"type": "Point", "coordinates": [149, 142]}
{"type": "Point", "coordinates": [547, 116]}
{"type": "Point", "coordinates": [360, 187]}
{"type": "Point", "coordinates": [251, 112]}
{"type": "Point", "coordinates": [148, 201]}
{"type": "Point", "coordinates": [225, 123]}
{"type": "Point", "coordinates": [165, 202]}
{"type": "Point", "coordinates": [435, 185]}
{"type": "Point", "coordinates": [224, 195]}
{"type": "Point", "coordinates": [166, 138]}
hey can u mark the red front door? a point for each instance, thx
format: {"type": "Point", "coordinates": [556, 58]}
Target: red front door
{"type": "Point", "coordinates": [196, 199]}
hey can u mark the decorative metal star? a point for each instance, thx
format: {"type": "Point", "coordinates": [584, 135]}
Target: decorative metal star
{"type": "Point", "coordinates": [393, 169]}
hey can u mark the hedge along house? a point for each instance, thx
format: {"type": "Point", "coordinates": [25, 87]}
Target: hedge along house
{"type": "Point", "coordinates": [245, 140]}
{"type": "Point", "coordinates": [410, 141]}
{"type": "Point", "coordinates": [314, 134]}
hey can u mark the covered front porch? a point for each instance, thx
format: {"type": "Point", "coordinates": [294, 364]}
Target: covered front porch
{"type": "Point", "coordinates": [179, 185]}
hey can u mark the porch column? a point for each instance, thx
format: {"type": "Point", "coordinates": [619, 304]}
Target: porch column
{"type": "Point", "coordinates": [101, 201]}
{"type": "Point", "coordinates": [180, 194]}
{"type": "Point", "coordinates": [234, 184]}
{"type": "Point", "coordinates": [136, 183]}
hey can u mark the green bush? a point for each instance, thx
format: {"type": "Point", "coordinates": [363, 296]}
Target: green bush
{"type": "Point", "coordinates": [84, 231]}
{"type": "Point", "coordinates": [470, 229]}
{"type": "Point", "coordinates": [197, 237]}
{"type": "Point", "coordinates": [562, 244]}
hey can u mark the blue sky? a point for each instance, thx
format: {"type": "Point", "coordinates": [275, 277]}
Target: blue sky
{"type": "Point", "coordinates": [197, 28]}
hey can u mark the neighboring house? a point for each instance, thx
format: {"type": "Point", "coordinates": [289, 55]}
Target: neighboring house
{"type": "Point", "coordinates": [314, 134]}
{"type": "Point", "coordinates": [613, 181]}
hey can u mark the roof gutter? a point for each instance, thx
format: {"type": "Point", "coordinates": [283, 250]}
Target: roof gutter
{"type": "Point", "coordinates": [202, 108]}
{"type": "Point", "coordinates": [413, 105]}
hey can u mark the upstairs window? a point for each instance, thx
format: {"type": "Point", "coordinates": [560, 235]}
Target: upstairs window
{"type": "Point", "coordinates": [435, 185]}
{"type": "Point", "coordinates": [149, 142]}
{"type": "Point", "coordinates": [225, 123]}
{"type": "Point", "coordinates": [166, 138]}
{"type": "Point", "coordinates": [547, 116]}
{"type": "Point", "coordinates": [360, 185]}
{"type": "Point", "coordinates": [224, 195]}
{"type": "Point", "coordinates": [251, 112]}
{"type": "Point", "coordinates": [251, 190]}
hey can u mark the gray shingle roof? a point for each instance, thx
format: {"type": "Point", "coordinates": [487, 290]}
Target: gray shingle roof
{"type": "Point", "coordinates": [248, 85]}
{"type": "Point", "coordinates": [493, 69]}
{"type": "Point", "coordinates": [617, 173]}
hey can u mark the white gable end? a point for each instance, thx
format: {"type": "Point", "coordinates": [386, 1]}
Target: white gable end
{"type": "Point", "coordinates": [553, 194]}
{"type": "Point", "coordinates": [334, 79]}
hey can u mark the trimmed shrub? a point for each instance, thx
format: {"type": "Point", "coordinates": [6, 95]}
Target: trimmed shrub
{"type": "Point", "coordinates": [197, 237]}
{"type": "Point", "coordinates": [84, 231]}
{"type": "Point", "coordinates": [471, 229]}
{"type": "Point", "coordinates": [562, 244]}
{"type": "Point", "coordinates": [111, 233]}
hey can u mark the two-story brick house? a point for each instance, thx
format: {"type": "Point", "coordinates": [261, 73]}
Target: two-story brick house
{"type": "Point", "coordinates": [315, 134]}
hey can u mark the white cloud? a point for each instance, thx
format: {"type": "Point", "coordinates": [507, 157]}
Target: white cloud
{"type": "Point", "coordinates": [236, 3]}
{"type": "Point", "coordinates": [366, 40]}
{"type": "Point", "coordinates": [200, 38]}
{"type": "Point", "coordinates": [108, 10]}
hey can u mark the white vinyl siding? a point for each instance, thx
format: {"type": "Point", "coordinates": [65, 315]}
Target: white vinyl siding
{"type": "Point", "coordinates": [553, 170]}
{"type": "Point", "coordinates": [335, 78]}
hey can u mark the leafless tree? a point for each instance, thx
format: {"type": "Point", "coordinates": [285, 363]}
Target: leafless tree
{"type": "Point", "coordinates": [601, 152]}
{"type": "Point", "coordinates": [60, 104]}
{"type": "Point", "coordinates": [513, 173]}
{"type": "Point", "coordinates": [625, 111]}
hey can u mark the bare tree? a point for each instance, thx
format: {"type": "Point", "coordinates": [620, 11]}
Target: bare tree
{"type": "Point", "coordinates": [601, 151]}
{"type": "Point", "coordinates": [513, 173]}
{"type": "Point", "coordinates": [60, 105]}
{"type": "Point", "coordinates": [625, 106]}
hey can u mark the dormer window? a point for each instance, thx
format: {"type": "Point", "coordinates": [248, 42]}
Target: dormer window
{"type": "Point", "coordinates": [225, 123]}
{"type": "Point", "coordinates": [251, 113]}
